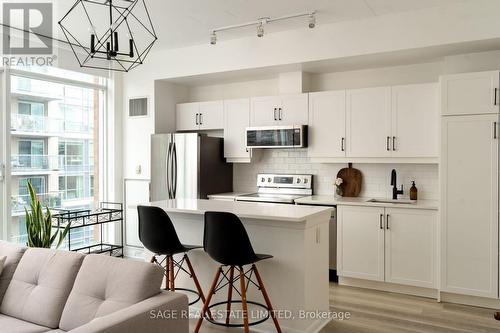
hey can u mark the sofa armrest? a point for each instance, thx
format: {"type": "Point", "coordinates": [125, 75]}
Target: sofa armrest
{"type": "Point", "coordinates": [165, 312]}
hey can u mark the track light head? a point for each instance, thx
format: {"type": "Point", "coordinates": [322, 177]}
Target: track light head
{"type": "Point", "coordinates": [260, 30]}
{"type": "Point", "coordinates": [213, 38]}
{"type": "Point", "coordinates": [312, 20]}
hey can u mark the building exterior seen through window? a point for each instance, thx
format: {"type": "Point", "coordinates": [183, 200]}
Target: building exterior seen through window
{"type": "Point", "coordinates": [54, 145]}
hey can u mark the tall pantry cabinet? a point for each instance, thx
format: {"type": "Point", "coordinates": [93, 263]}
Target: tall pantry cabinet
{"type": "Point", "coordinates": [469, 184]}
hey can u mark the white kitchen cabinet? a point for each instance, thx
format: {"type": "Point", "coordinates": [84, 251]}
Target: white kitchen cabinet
{"type": "Point", "coordinates": [294, 110]}
{"type": "Point", "coordinates": [264, 110]}
{"type": "Point", "coordinates": [236, 120]}
{"type": "Point", "coordinates": [360, 239]}
{"type": "Point", "coordinates": [211, 115]}
{"type": "Point", "coordinates": [396, 245]}
{"type": "Point", "coordinates": [327, 124]}
{"type": "Point", "coordinates": [279, 110]}
{"type": "Point", "coordinates": [411, 247]}
{"type": "Point", "coordinates": [369, 122]}
{"type": "Point", "coordinates": [415, 120]}
{"type": "Point", "coordinates": [187, 116]}
{"type": "Point", "coordinates": [469, 205]}
{"type": "Point", "coordinates": [470, 93]}
{"type": "Point", "coordinates": [200, 116]}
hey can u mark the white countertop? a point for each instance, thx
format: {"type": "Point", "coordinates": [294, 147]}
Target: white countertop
{"type": "Point", "coordinates": [227, 196]}
{"type": "Point", "coordinates": [250, 210]}
{"type": "Point", "coordinates": [330, 200]}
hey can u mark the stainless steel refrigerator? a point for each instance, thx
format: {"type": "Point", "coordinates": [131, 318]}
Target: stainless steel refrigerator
{"type": "Point", "coordinates": [188, 165]}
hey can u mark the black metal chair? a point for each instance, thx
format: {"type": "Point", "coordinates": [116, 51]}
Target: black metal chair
{"type": "Point", "coordinates": [158, 235]}
{"type": "Point", "coordinates": [226, 241]}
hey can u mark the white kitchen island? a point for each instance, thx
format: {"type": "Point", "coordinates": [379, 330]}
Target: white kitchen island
{"type": "Point", "coordinates": [297, 236]}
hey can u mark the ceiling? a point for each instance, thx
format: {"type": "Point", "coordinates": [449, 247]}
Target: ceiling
{"type": "Point", "coordinates": [180, 23]}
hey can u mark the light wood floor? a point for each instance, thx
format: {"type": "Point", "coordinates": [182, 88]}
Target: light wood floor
{"type": "Point", "coordinates": [381, 312]}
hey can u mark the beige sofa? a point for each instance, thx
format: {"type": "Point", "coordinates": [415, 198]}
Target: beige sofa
{"type": "Point", "coordinates": [44, 290]}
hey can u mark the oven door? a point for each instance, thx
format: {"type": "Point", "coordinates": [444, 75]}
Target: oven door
{"type": "Point", "coordinates": [277, 137]}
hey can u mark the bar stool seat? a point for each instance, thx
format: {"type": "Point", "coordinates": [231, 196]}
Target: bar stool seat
{"type": "Point", "coordinates": [157, 233]}
{"type": "Point", "coordinates": [226, 241]}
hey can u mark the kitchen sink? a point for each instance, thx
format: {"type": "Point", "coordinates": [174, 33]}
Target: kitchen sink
{"type": "Point", "coordinates": [392, 201]}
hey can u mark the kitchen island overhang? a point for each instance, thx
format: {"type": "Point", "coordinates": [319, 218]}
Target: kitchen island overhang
{"type": "Point", "coordinates": [296, 278]}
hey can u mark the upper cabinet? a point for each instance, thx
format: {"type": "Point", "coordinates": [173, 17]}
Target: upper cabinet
{"type": "Point", "coordinates": [415, 120]}
{"type": "Point", "coordinates": [236, 120]}
{"type": "Point", "coordinates": [369, 122]}
{"type": "Point", "coordinates": [382, 122]}
{"type": "Point", "coordinates": [200, 116]}
{"type": "Point", "coordinates": [327, 124]}
{"type": "Point", "coordinates": [470, 93]}
{"type": "Point", "coordinates": [279, 110]}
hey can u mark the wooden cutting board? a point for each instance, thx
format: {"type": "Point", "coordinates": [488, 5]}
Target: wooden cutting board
{"type": "Point", "coordinates": [352, 181]}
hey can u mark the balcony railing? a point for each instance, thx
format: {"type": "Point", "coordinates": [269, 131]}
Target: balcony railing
{"type": "Point", "coordinates": [35, 124]}
{"type": "Point", "coordinates": [51, 200]}
{"type": "Point", "coordinates": [41, 124]}
{"type": "Point", "coordinates": [68, 163]}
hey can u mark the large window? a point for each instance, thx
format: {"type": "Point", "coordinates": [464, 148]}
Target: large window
{"type": "Point", "coordinates": [55, 143]}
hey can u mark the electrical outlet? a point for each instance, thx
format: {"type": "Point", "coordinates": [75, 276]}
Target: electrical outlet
{"type": "Point", "coordinates": [138, 170]}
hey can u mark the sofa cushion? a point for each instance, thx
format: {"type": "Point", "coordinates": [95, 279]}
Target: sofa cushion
{"type": "Point", "coordinates": [41, 285]}
{"type": "Point", "coordinates": [14, 325]}
{"type": "Point", "coordinates": [106, 284]}
{"type": "Point", "coordinates": [13, 253]}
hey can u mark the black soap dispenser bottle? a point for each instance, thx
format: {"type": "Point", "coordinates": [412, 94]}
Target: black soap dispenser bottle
{"type": "Point", "coordinates": [413, 191]}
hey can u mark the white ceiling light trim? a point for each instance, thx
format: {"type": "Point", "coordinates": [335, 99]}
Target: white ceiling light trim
{"type": "Point", "coordinates": [261, 22]}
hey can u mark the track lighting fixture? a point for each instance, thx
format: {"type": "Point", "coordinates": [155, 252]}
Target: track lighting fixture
{"type": "Point", "coordinates": [312, 20]}
{"type": "Point", "coordinates": [259, 23]}
{"type": "Point", "coordinates": [260, 30]}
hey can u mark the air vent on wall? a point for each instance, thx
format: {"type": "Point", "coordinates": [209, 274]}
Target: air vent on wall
{"type": "Point", "coordinates": [138, 107]}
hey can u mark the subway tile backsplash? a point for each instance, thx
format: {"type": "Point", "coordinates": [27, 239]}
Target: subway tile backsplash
{"type": "Point", "coordinates": [376, 177]}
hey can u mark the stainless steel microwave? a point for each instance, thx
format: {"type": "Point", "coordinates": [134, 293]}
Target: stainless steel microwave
{"type": "Point", "coordinates": [293, 136]}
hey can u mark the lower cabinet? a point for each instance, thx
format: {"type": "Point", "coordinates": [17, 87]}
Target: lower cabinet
{"type": "Point", "coordinates": [396, 245]}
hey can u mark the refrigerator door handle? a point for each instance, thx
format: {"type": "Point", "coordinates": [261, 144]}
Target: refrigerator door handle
{"type": "Point", "coordinates": [169, 154]}
{"type": "Point", "coordinates": [174, 173]}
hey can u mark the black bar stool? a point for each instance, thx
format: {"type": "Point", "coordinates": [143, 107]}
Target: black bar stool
{"type": "Point", "coordinates": [226, 241]}
{"type": "Point", "coordinates": [158, 235]}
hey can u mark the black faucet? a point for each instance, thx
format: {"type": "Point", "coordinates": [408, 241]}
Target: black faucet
{"type": "Point", "coordinates": [394, 184]}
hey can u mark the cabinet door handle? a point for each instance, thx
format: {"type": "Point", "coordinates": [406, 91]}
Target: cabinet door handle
{"type": "Point", "coordinates": [495, 130]}
{"type": "Point", "coordinates": [387, 222]}
{"type": "Point", "coordinates": [393, 143]}
{"type": "Point", "coordinates": [343, 144]}
{"type": "Point", "coordinates": [388, 143]}
{"type": "Point", "coordinates": [201, 118]}
{"type": "Point", "coordinates": [280, 114]}
{"type": "Point", "coordinates": [274, 114]}
{"type": "Point", "coordinates": [496, 93]}
{"type": "Point", "coordinates": [381, 221]}
{"type": "Point", "coordinates": [197, 121]}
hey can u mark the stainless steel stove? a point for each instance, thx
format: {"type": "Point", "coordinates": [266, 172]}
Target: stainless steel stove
{"type": "Point", "coordinates": [284, 189]}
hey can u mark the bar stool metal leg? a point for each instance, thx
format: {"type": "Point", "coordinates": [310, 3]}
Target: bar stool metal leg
{"type": "Point", "coordinates": [244, 300]}
{"type": "Point", "coordinates": [207, 302]}
{"type": "Point", "coordinates": [229, 294]}
{"type": "Point", "coordinates": [266, 298]}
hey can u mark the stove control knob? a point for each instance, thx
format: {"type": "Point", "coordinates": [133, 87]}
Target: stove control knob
{"type": "Point", "coordinates": [305, 180]}
{"type": "Point", "coordinates": [262, 179]}
{"type": "Point", "coordinates": [269, 180]}
{"type": "Point", "coordinates": [298, 180]}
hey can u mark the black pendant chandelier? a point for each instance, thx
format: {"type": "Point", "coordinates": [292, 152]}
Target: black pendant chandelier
{"type": "Point", "coordinates": [112, 24]}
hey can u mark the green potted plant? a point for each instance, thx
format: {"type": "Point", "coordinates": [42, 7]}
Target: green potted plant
{"type": "Point", "coordinates": [39, 224]}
